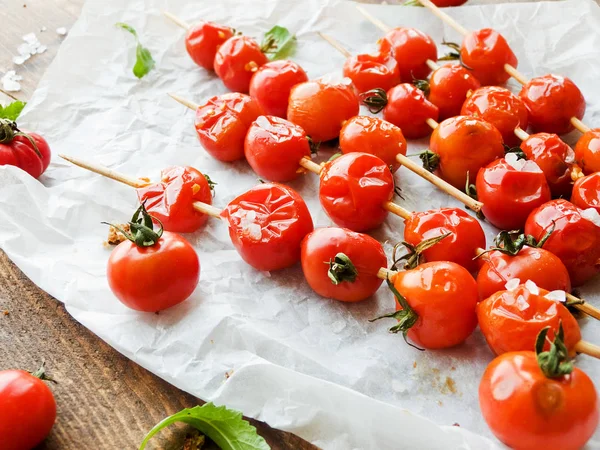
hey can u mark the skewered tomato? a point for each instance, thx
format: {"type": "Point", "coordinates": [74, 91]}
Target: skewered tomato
{"type": "Point", "coordinates": [267, 225]}
{"type": "Point", "coordinates": [202, 41]}
{"type": "Point", "coordinates": [448, 88]}
{"type": "Point", "coordinates": [274, 147]}
{"type": "Point", "coordinates": [586, 192]}
{"type": "Point", "coordinates": [445, 3]}
{"type": "Point", "coordinates": [222, 123]}
{"type": "Point", "coordinates": [486, 52]}
{"type": "Point", "coordinates": [27, 151]}
{"type": "Point", "coordinates": [575, 239]}
{"type": "Point", "coordinates": [322, 107]}
{"type": "Point", "coordinates": [372, 71]}
{"type": "Point", "coordinates": [272, 83]}
{"type": "Point", "coordinates": [236, 60]}
{"type": "Point", "coordinates": [587, 152]}
{"type": "Point", "coordinates": [375, 136]}
{"type": "Point", "coordinates": [411, 48]}
{"type": "Point", "coordinates": [501, 108]}
{"type": "Point", "coordinates": [552, 101]}
{"type": "Point", "coordinates": [353, 190]}
{"type": "Point", "coordinates": [341, 264]}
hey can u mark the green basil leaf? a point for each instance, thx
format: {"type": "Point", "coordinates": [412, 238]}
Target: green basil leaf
{"type": "Point", "coordinates": [278, 43]}
{"type": "Point", "coordinates": [144, 62]}
{"type": "Point", "coordinates": [12, 110]}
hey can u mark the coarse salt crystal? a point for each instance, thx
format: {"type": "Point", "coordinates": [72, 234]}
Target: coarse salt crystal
{"type": "Point", "coordinates": [532, 287]}
{"type": "Point", "coordinates": [254, 231]}
{"type": "Point", "coordinates": [592, 215]}
{"type": "Point", "coordinates": [62, 31]}
{"type": "Point", "coordinates": [30, 38]}
{"type": "Point", "coordinates": [512, 284]}
{"type": "Point", "coordinates": [559, 296]}
{"type": "Point", "coordinates": [10, 81]}
{"type": "Point", "coordinates": [18, 60]}
{"type": "Point", "coordinates": [522, 304]}
{"type": "Point", "coordinates": [43, 29]}
{"type": "Point", "coordinates": [521, 165]}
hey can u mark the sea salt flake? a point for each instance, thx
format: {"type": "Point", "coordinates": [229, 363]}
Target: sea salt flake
{"type": "Point", "coordinates": [10, 81]}
{"type": "Point", "coordinates": [532, 287]}
{"type": "Point", "coordinates": [592, 215]}
{"type": "Point", "coordinates": [522, 304]}
{"type": "Point", "coordinates": [62, 31]}
{"type": "Point", "coordinates": [18, 60]}
{"type": "Point", "coordinates": [41, 49]}
{"type": "Point", "coordinates": [559, 296]}
{"type": "Point", "coordinates": [43, 29]}
{"type": "Point", "coordinates": [512, 284]}
{"type": "Point", "coordinates": [513, 161]}
{"type": "Point", "coordinates": [30, 38]}
{"type": "Point", "coordinates": [254, 231]}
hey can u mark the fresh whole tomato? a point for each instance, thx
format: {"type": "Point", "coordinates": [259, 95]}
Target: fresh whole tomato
{"type": "Point", "coordinates": [501, 108]}
{"type": "Point", "coordinates": [236, 60]}
{"type": "Point", "coordinates": [375, 136]}
{"type": "Point", "coordinates": [203, 40]}
{"type": "Point", "coordinates": [411, 48]}
{"type": "Point", "coordinates": [446, 3]}
{"type": "Point", "coordinates": [353, 190]}
{"type": "Point", "coordinates": [17, 149]}
{"type": "Point", "coordinates": [486, 52]}
{"type": "Point", "coordinates": [372, 71]}
{"type": "Point", "coordinates": [408, 108]}
{"type": "Point", "coordinates": [586, 192]}
{"type": "Point", "coordinates": [352, 259]}
{"type": "Point", "coordinates": [222, 123]}
{"type": "Point", "coordinates": [587, 152]}
{"type": "Point", "coordinates": [448, 89]}
{"type": "Point", "coordinates": [552, 100]}
{"type": "Point", "coordinates": [272, 83]}
{"type": "Point", "coordinates": [267, 225]}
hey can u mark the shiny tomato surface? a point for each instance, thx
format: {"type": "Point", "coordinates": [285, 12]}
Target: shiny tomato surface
{"type": "Point", "coordinates": [445, 3]}
{"type": "Point", "coordinates": [448, 89]}
{"type": "Point", "coordinates": [372, 71]}
{"type": "Point", "coordinates": [486, 52]}
{"type": "Point", "coordinates": [236, 61]}
{"type": "Point", "coordinates": [203, 40]}
{"type": "Point", "coordinates": [411, 48]}
{"type": "Point", "coordinates": [408, 108]}
{"type": "Point", "coordinates": [587, 152]}
{"type": "Point", "coordinates": [586, 192]}
{"type": "Point", "coordinates": [20, 152]}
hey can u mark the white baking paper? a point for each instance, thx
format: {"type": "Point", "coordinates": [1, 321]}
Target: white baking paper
{"type": "Point", "coordinates": [261, 343]}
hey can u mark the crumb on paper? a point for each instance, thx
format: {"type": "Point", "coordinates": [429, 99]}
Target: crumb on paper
{"type": "Point", "coordinates": [61, 31]}
{"type": "Point", "coordinates": [6, 312]}
{"type": "Point", "coordinates": [228, 374]}
{"type": "Point", "coordinates": [10, 81]}
{"type": "Point", "coordinates": [212, 341]}
{"type": "Point", "coordinates": [115, 237]}
{"type": "Point", "coordinates": [193, 441]}
{"type": "Point", "coordinates": [456, 424]}
{"type": "Point", "coordinates": [449, 386]}
{"type": "Point", "coordinates": [415, 365]}
{"type": "Point", "coordinates": [439, 402]}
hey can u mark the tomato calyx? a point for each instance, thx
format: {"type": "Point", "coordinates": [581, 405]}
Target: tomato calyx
{"type": "Point", "coordinates": [341, 269]}
{"type": "Point", "coordinates": [314, 146]}
{"type": "Point", "coordinates": [554, 363]}
{"type": "Point", "coordinates": [141, 228]}
{"type": "Point", "coordinates": [516, 150]}
{"type": "Point", "coordinates": [9, 130]}
{"type": "Point", "coordinates": [211, 184]}
{"type": "Point", "coordinates": [414, 257]}
{"type": "Point", "coordinates": [512, 242]}
{"type": "Point", "coordinates": [412, 3]}
{"type": "Point", "coordinates": [430, 160]}
{"type": "Point", "coordinates": [453, 55]}
{"type": "Point", "coordinates": [422, 85]}
{"type": "Point", "coordinates": [41, 373]}
{"type": "Point", "coordinates": [375, 100]}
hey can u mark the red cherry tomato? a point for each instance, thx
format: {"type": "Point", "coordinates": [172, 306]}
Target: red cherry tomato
{"type": "Point", "coordinates": [575, 239]}
{"type": "Point", "coordinates": [375, 136]}
{"type": "Point", "coordinates": [486, 52]}
{"type": "Point", "coordinates": [17, 150]}
{"type": "Point", "coordinates": [372, 71]}
{"type": "Point", "coordinates": [460, 247]}
{"type": "Point", "coordinates": [366, 255]}
{"type": "Point", "coordinates": [448, 89]}
{"type": "Point", "coordinates": [501, 108]}
{"type": "Point", "coordinates": [322, 107]}
{"type": "Point", "coordinates": [202, 41]}
{"type": "Point", "coordinates": [510, 192]}
{"type": "Point", "coordinates": [464, 145]}
{"type": "Point", "coordinates": [531, 263]}
{"type": "Point", "coordinates": [552, 101]}
{"type": "Point", "coordinates": [272, 83]}
{"type": "Point", "coordinates": [528, 411]}
{"type": "Point", "coordinates": [587, 152]}
{"type": "Point", "coordinates": [354, 188]}
{"type": "Point", "coordinates": [554, 157]}
{"type": "Point", "coordinates": [237, 60]}
{"type": "Point", "coordinates": [27, 410]}
{"type": "Point", "coordinates": [171, 200]}
{"type": "Point", "coordinates": [222, 123]}
{"type": "Point", "coordinates": [586, 192]}
{"type": "Point", "coordinates": [446, 3]}
{"type": "Point", "coordinates": [267, 225]}
{"type": "Point", "coordinates": [408, 109]}
{"type": "Point", "coordinates": [411, 48]}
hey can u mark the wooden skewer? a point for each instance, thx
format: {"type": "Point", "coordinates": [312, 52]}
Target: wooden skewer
{"type": "Point", "coordinates": [521, 134]}
{"type": "Point", "coordinates": [397, 210]}
{"type": "Point", "coordinates": [335, 44]}
{"type": "Point", "coordinates": [190, 104]}
{"type": "Point", "coordinates": [444, 17]}
{"type": "Point", "coordinates": [177, 20]}
{"type": "Point", "coordinates": [374, 20]}
{"type": "Point", "coordinates": [432, 64]}
{"type": "Point", "coordinates": [587, 348]}
{"type": "Point", "coordinates": [310, 165]}
{"type": "Point", "coordinates": [522, 79]}
{"type": "Point", "coordinates": [579, 125]}
{"type": "Point", "coordinates": [385, 274]}
{"type": "Point", "coordinates": [432, 123]}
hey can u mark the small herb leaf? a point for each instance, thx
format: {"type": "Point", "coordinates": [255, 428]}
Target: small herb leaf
{"type": "Point", "coordinates": [12, 110]}
{"type": "Point", "coordinates": [278, 43]}
{"type": "Point", "coordinates": [144, 62]}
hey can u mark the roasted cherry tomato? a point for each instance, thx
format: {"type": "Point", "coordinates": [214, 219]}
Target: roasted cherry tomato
{"type": "Point", "coordinates": [408, 108]}
{"type": "Point", "coordinates": [341, 264]}
{"type": "Point", "coordinates": [486, 52]}
{"type": "Point", "coordinates": [237, 60]}
{"type": "Point", "coordinates": [448, 88]}
{"type": "Point", "coordinates": [222, 123]}
{"type": "Point", "coordinates": [459, 247]}
{"type": "Point", "coordinates": [552, 101]}
{"type": "Point", "coordinates": [272, 83]}
{"type": "Point", "coordinates": [202, 41]}
{"type": "Point", "coordinates": [267, 225]}
{"type": "Point", "coordinates": [375, 136]}
{"type": "Point", "coordinates": [274, 147]}
{"type": "Point", "coordinates": [353, 190]}
{"type": "Point", "coordinates": [372, 71]}
{"type": "Point", "coordinates": [171, 200]}
{"type": "Point", "coordinates": [554, 157]}
{"type": "Point", "coordinates": [462, 146]}
{"type": "Point", "coordinates": [411, 48]}
{"type": "Point", "coordinates": [17, 149]}
{"type": "Point", "coordinates": [322, 107]}
{"type": "Point", "coordinates": [510, 189]}
{"type": "Point", "coordinates": [575, 239]}
{"type": "Point", "coordinates": [27, 409]}
{"type": "Point", "coordinates": [587, 152]}
{"type": "Point", "coordinates": [586, 192]}
{"type": "Point", "coordinates": [501, 108]}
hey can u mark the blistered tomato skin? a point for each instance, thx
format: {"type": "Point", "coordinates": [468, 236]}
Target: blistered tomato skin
{"type": "Point", "coordinates": [222, 123]}
{"type": "Point", "coordinates": [267, 225]}
{"type": "Point", "coordinates": [586, 192]}
{"type": "Point", "coordinates": [448, 89]}
{"type": "Point", "coordinates": [408, 108]}
{"type": "Point", "coordinates": [552, 100]}
{"type": "Point", "coordinates": [459, 247]}
{"type": "Point", "coordinates": [372, 71]}
{"type": "Point", "coordinates": [486, 52]}
{"type": "Point", "coordinates": [203, 40]}
{"type": "Point", "coordinates": [587, 152]}
{"type": "Point", "coordinates": [237, 60]}
{"type": "Point", "coordinates": [272, 83]}
{"type": "Point", "coordinates": [411, 48]}
{"type": "Point", "coordinates": [375, 136]}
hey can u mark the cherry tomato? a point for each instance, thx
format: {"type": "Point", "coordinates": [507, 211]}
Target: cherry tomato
{"type": "Point", "coordinates": [510, 189]}
{"type": "Point", "coordinates": [372, 71]}
{"type": "Point", "coordinates": [446, 3]}
{"type": "Point", "coordinates": [552, 101]}
{"type": "Point", "coordinates": [222, 123]}
{"type": "Point", "coordinates": [464, 145]}
{"type": "Point", "coordinates": [575, 239]}
{"type": "Point", "coordinates": [272, 83]}
{"type": "Point", "coordinates": [321, 248]}
{"type": "Point", "coordinates": [587, 152]}
{"type": "Point", "coordinates": [586, 192]}
{"type": "Point", "coordinates": [408, 108]}
{"type": "Point", "coordinates": [267, 225]}
{"type": "Point", "coordinates": [202, 41]}
{"type": "Point", "coordinates": [236, 60]}
{"type": "Point", "coordinates": [501, 108]}
{"type": "Point", "coordinates": [555, 159]}
{"type": "Point", "coordinates": [531, 263]}
{"type": "Point", "coordinates": [528, 411]}
{"type": "Point", "coordinates": [444, 296]}
{"type": "Point", "coordinates": [460, 247]}
{"type": "Point", "coordinates": [375, 136]}
{"type": "Point", "coordinates": [448, 89]}
{"type": "Point", "coordinates": [411, 48]}
{"type": "Point", "coordinates": [486, 52]}
{"type": "Point", "coordinates": [27, 410]}
{"type": "Point", "coordinates": [353, 190]}
{"type": "Point", "coordinates": [171, 200]}
{"type": "Point", "coordinates": [17, 150]}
